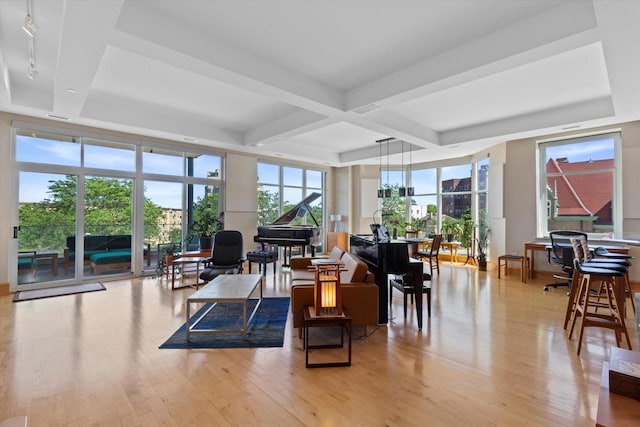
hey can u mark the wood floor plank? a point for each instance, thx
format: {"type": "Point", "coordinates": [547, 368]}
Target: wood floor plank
{"type": "Point", "coordinates": [493, 353]}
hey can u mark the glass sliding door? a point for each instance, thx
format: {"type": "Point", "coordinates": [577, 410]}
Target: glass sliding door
{"type": "Point", "coordinates": [162, 219]}
{"type": "Point", "coordinates": [46, 218]}
{"type": "Point", "coordinates": [107, 240]}
{"type": "Point", "coordinates": [81, 214]}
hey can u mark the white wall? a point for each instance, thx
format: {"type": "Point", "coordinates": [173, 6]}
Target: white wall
{"type": "Point", "coordinates": [6, 185]}
{"type": "Point", "coordinates": [241, 196]}
{"type": "Point", "coordinates": [520, 190]}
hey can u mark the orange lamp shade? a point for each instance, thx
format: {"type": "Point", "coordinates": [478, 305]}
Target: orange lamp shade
{"type": "Point", "coordinates": [327, 293]}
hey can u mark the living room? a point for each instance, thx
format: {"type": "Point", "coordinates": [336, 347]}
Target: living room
{"type": "Point", "coordinates": [487, 337]}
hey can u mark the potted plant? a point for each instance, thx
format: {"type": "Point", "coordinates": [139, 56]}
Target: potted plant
{"type": "Point", "coordinates": [450, 228]}
{"type": "Point", "coordinates": [483, 241]}
{"type": "Point", "coordinates": [206, 221]}
{"type": "Point", "coordinates": [466, 233]}
{"type": "Point", "coordinates": [165, 253]}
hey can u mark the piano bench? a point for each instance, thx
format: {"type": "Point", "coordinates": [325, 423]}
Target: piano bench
{"type": "Point", "coordinates": [263, 258]}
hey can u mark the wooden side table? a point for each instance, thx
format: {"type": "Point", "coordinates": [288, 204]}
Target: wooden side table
{"type": "Point", "coordinates": [183, 262]}
{"type": "Point", "coordinates": [312, 321]}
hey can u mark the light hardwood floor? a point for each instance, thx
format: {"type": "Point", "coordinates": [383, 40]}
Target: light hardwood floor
{"type": "Point", "coordinates": [493, 353]}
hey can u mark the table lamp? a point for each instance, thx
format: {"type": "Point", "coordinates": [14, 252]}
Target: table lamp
{"type": "Point", "coordinates": [327, 294]}
{"type": "Point", "coordinates": [336, 218]}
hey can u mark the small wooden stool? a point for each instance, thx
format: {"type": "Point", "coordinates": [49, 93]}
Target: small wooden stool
{"type": "Point", "coordinates": [503, 261]}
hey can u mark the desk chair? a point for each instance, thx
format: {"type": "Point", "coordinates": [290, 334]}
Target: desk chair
{"type": "Point", "coordinates": [561, 253]}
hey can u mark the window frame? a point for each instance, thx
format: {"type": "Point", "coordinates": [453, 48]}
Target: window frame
{"type": "Point", "coordinates": [543, 204]}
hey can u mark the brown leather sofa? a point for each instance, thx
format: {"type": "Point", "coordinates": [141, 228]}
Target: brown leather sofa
{"type": "Point", "coordinates": [359, 291]}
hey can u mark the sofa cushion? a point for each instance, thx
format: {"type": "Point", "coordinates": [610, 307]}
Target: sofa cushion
{"type": "Point", "coordinates": [336, 253]}
{"type": "Point", "coordinates": [111, 257]}
{"type": "Point", "coordinates": [355, 270]}
{"type": "Point", "coordinates": [306, 276]}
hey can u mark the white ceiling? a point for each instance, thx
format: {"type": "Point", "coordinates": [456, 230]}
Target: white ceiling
{"type": "Point", "coordinates": [321, 81]}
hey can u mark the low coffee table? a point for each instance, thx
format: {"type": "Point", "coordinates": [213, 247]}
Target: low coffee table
{"type": "Point", "coordinates": [229, 288]}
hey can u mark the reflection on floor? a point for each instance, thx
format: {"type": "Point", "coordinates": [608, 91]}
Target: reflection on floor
{"type": "Point", "coordinates": [494, 352]}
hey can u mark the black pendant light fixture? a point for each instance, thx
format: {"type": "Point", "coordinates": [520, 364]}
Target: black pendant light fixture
{"type": "Point", "coordinates": [402, 190]}
{"type": "Point", "coordinates": [387, 190]}
{"type": "Point", "coordinates": [384, 191]}
{"type": "Point", "coordinates": [410, 190]}
{"type": "Point", "coordinates": [380, 189]}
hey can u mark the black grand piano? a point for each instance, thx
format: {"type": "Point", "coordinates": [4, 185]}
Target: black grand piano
{"type": "Point", "coordinates": [384, 256]}
{"type": "Point", "coordinates": [282, 233]}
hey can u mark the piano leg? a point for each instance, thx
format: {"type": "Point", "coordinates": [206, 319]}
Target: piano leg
{"type": "Point", "coordinates": [286, 258]}
{"type": "Point", "coordinates": [416, 272]}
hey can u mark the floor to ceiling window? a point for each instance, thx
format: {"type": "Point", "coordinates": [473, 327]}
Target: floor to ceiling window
{"type": "Point", "coordinates": [77, 185]}
{"type": "Point", "coordinates": [281, 187]}
{"type": "Point", "coordinates": [442, 195]}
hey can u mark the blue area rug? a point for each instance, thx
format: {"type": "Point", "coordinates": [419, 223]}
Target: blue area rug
{"type": "Point", "coordinates": [265, 330]}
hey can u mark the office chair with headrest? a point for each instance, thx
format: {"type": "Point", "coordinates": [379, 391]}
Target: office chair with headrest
{"type": "Point", "coordinates": [561, 253]}
{"type": "Point", "coordinates": [227, 255]}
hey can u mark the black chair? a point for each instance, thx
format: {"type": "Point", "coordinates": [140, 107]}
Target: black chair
{"type": "Point", "coordinates": [561, 253]}
{"type": "Point", "coordinates": [432, 254]}
{"type": "Point", "coordinates": [404, 284]}
{"type": "Point", "coordinates": [226, 255]}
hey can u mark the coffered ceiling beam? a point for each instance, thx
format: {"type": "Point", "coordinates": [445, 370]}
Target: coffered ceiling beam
{"type": "Point", "coordinates": [567, 27]}
{"type": "Point", "coordinates": [174, 44]}
{"type": "Point", "coordinates": [81, 38]}
{"type": "Point", "coordinates": [549, 118]}
{"type": "Point", "coordinates": [287, 127]}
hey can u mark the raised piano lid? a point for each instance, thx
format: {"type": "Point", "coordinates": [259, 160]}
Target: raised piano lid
{"type": "Point", "coordinates": [298, 211]}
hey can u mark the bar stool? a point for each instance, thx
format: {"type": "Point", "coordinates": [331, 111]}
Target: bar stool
{"type": "Point", "coordinates": [588, 302]}
{"type": "Point", "coordinates": [503, 261]}
{"type": "Point", "coordinates": [603, 256]}
{"type": "Point", "coordinates": [580, 248]}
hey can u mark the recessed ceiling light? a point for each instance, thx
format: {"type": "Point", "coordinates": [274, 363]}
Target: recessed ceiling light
{"type": "Point", "coordinates": [189, 139]}
{"type": "Point", "coordinates": [29, 26]}
{"type": "Point", "coordinates": [71, 90]}
{"type": "Point", "coordinates": [367, 108]}
{"type": "Point", "coordinates": [259, 144]}
{"type": "Point", "coordinates": [53, 116]}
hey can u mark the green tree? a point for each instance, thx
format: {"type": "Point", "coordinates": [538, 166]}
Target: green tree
{"type": "Point", "coordinates": [206, 219]}
{"type": "Point", "coordinates": [108, 210]}
{"type": "Point", "coordinates": [395, 210]}
{"type": "Point", "coordinates": [268, 206]}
